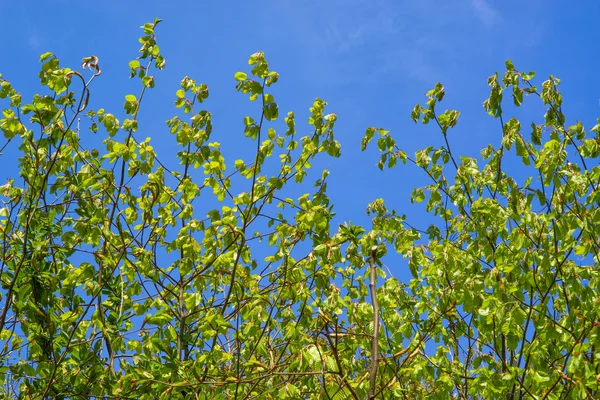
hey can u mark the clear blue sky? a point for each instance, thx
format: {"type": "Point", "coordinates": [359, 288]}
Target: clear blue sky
{"type": "Point", "coordinates": [372, 60]}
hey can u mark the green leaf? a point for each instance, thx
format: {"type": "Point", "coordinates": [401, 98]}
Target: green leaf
{"type": "Point", "coordinates": [46, 56]}
{"type": "Point", "coordinates": [240, 76]}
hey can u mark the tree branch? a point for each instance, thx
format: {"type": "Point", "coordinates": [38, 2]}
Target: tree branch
{"type": "Point", "coordinates": [375, 348]}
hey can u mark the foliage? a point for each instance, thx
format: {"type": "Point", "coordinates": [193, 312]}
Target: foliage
{"type": "Point", "coordinates": [123, 277]}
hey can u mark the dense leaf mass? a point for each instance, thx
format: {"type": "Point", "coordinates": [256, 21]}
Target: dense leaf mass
{"type": "Point", "coordinates": [128, 276]}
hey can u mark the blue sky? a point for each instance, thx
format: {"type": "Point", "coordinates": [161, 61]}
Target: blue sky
{"type": "Point", "coordinates": [372, 60]}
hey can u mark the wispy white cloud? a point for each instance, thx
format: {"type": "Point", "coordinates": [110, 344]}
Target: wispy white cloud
{"type": "Point", "coordinates": [402, 38]}
{"type": "Point", "coordinates": [333, 32]}
{"type": "Point", "coordinates": [354, 23]}
{"type": "Point", "coordinates": [33, 40]}
{"type": "Point", "coordinates": [485, 13]}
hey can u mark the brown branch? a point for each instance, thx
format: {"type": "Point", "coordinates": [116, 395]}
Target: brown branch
{"type": "Point", "coordinates": [375, 348]}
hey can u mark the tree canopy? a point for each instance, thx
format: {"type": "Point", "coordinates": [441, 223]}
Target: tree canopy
{"type": "Point", "coordinates": [127, 276]}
